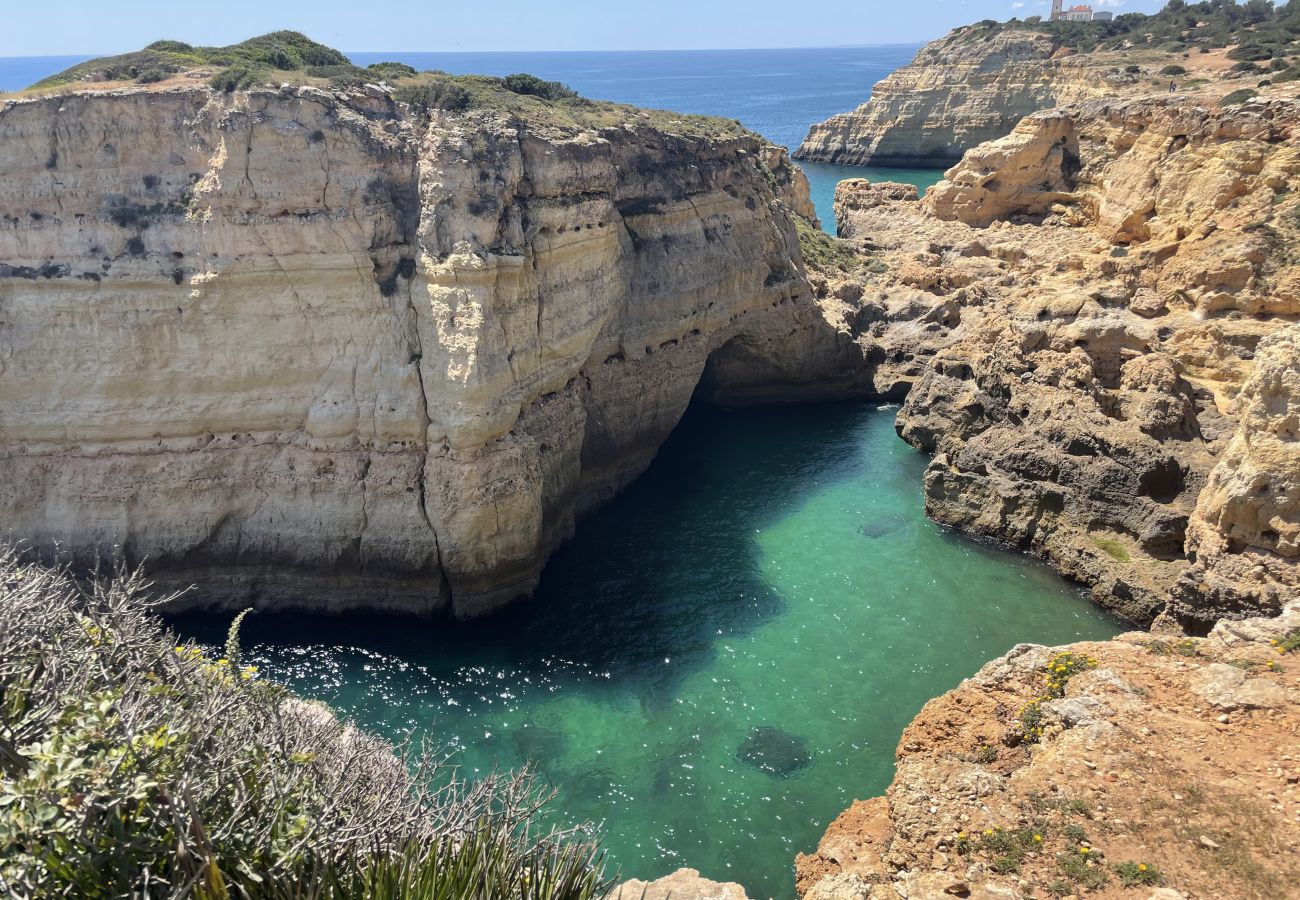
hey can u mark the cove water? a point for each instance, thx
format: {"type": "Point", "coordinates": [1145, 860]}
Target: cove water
{"type": "Point", "coordinates": [777, 93]}
{"type": "Point", "coordinates": [722, 659]}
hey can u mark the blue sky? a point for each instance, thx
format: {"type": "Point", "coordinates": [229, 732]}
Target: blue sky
{"type": "Point", "coordinates": [112, 26]}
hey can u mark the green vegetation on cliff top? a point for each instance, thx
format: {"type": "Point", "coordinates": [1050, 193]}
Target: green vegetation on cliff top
{"type": "Point", "coordinates": [287, 56]}
{"type": "Point", "coordinates": [286, 51]}
{"type": "Point", "coordinates": [1257, 29]}
{"type": "Point", "coordinates": [131, 766]}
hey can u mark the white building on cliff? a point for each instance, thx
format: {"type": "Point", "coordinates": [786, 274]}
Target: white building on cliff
{"type": "Point", "coordinates": [1077, 13]}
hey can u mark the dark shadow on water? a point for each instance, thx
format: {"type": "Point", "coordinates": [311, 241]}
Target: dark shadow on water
{"type": "Point", "coordinates": [663, 572]}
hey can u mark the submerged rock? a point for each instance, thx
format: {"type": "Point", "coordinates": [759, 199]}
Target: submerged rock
{"type": "Point", "coordinates": [878, 528]}
{"type": "Point", "coordinates": [774, 751]}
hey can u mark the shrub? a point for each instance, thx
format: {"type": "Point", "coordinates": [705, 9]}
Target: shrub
{"type": "Point", "coordinates": [531, 85]}
{"type": "Point", "coordinates": [1064, 666]}
{"type": "Point", "coordinates": [441, 92]}
{"type": "Point", "coordinates": [1031, 719]}
{"type": "Point", "coordinates": [238, 77]}
{"type": "Point", "coordinates": [1081, 869]}
{"type": "Point", "coordinates": [341, 76]}
{"type": "Point", "coordinates": [285, 50]}
{"type": "Point", "coordinates": [133, 766]}
{"type": "Point", "coordinates": [824, 253]}
{"type": "Point", "coordinates": [1173, 70]}
{"type": "Point", "coordinates": [1289, 643]}
{"type": "Point", "coordinates": [1237, 97]}
{"type": "Point", "coordinates": [170, 47]}
{"type": "Point", "coordinates": [1250, 53]}
{"type": "Point", "coordinates": [390, 70]}
{"type": "Point", "coordinates": [1134, 874]}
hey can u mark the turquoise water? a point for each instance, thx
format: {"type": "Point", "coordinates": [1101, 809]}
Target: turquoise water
{"type": "Point", "coordinates": [722, 659]}
{"type": "Point", "coordinates": [778, 93]}
{"type": "Point", "coordinates": [823, 177]}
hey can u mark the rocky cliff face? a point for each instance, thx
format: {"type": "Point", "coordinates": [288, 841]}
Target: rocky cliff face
{"type": "Point", "coordinates": [1092, 311]}
{"type": "Point", "coordinates": [1138, 767]}
{"type": "Point", "coordinates": [958, 92]}
{"type": "Point", "coordinates": [976, 83]}
{"type": "Point", "coordinates": [338, 356]}
{"type": "Point", "coordinates": [1098, 319]}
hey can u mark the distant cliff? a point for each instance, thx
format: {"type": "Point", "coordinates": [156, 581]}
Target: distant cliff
{"type": "Point", "coordinates": [956, 93]}
{"type": "Point", "coordinates": [977, 82]}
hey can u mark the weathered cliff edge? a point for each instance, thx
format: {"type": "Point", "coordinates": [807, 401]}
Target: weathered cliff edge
{"type": "Point", "coordinates": [1098, 313]}
{"type": "Point", "coordinates": [975, 83]}
{"type": "Point", "coordinates": [346, 357]}
{"type": "Point", "coordinates": [1179, 756]}
{"type": "Point", "coordinates": [959, 91]}
{"type": "Point", "coordinates": [1097, 320]}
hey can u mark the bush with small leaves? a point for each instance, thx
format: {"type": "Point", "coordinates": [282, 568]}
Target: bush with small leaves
{"type": "Point", "coordinates": [531, 85]}
{"type": "Point", "coordinates": [439, 93]}
{"type": "Point", "coordinates": [1238, 97]}
{"type": "Point", "coordinates": [133, 766]}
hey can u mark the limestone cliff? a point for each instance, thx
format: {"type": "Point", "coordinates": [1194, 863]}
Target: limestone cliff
{"type": "Point", "coordinates": [1098, 319]}
{"type": "Point", "coordinates": [311, 349]}
{"type": "Point", "coordinates": [974, 84]}
{"type": "Point", "coordinates": [1093, 311]}
{"type": "Point", "coordinates": [959, 91]}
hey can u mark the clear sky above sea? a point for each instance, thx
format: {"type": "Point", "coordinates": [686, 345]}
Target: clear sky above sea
{"type": "Point", "coordinates": [58, 27]}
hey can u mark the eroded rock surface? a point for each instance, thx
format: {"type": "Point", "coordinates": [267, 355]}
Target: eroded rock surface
{"type": "Point", "coordinates": [684, 884]}
{"type": "Point", "coordinates": [1092, 312]}
{"type": "Point", "coordinates": [1178, 756]}
{"type": "Point", "coordinates": [342, 356]}
{"type": "Point", "coordinates": [976, 83]}
{"type": "Point", "coordinates": [958, 92]}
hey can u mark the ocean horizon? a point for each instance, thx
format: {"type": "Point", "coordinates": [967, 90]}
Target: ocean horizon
{"type": "Point", "coordinates": [776, 92]}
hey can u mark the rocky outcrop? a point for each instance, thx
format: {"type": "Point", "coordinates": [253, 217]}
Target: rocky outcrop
{"type": "Point", "coordinates": [684, 884]}
{"type": "Point", "coordinates": [1139, 767]}
{"type": "Point", "coordinates": [311, 350]}
{"type": "Point", "coordinates": [1244, 536]}
{"type": "Point", "coordinates": [966, 88]}
{"type": "Point", "coordinates": [1079, 307]}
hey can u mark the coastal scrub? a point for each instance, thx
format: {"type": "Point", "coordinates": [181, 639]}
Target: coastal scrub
{"type": "Point", "coordinates": [131, 765]}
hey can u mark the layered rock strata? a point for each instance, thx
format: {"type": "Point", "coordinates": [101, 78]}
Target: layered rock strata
{"type": "Point", "coordinates": [1097, 314]}
{"type": "Point", "coordinates": [976, 83]}
{"type": "Point", "coordinates": [313, 351]}
{"type": "Point", "coordinates": [1164, 769]}
{"type": "Point", "coordinates": [959, 91]}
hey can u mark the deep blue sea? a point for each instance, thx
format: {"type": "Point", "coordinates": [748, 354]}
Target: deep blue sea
{"type": "Point", "coordinates": [778, 93]}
